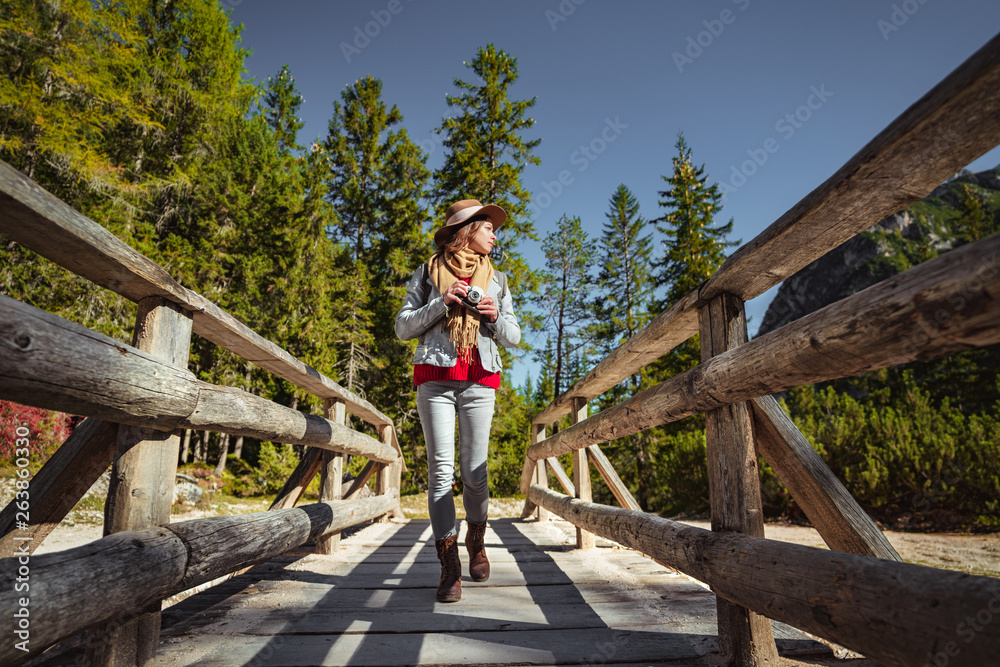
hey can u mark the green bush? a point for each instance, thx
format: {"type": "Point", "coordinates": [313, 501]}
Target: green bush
{"type": "Point", "coordinates": [274, 465]}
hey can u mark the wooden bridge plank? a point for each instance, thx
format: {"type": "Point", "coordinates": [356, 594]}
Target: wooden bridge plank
{"type": "Point", "coordinates": [374, 604]}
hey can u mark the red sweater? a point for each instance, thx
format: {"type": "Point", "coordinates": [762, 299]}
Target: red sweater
{"type": "Point", "coordinates": [462, 370]}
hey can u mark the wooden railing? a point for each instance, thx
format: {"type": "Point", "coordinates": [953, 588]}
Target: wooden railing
{"type": "Point", "coordinates": [859, 594]}
{"type": "Point", "coordinates": [136, 398]}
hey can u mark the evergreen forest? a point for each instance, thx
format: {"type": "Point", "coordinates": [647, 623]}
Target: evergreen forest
{"type": "Point", "coordinates": [139, 115]}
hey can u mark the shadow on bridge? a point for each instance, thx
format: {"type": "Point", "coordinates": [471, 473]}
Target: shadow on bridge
{"type": "Point", "coordinates": [373, 604]}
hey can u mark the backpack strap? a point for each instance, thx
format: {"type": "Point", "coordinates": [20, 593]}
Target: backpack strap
{"type": "Point", "coordinates": [502, 279]}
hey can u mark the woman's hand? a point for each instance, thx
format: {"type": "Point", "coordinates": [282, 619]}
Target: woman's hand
{"type": "Point", "coordinates": [488, 309]}
{"type": "Point", "coordinates": [453, 295]}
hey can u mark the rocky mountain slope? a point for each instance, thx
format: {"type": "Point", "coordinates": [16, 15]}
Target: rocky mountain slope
{"type": "Point", "coordinates": [927, 228]}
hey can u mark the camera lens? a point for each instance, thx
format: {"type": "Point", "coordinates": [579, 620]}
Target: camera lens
{"type": "Point", "coordinates": [475, 295]}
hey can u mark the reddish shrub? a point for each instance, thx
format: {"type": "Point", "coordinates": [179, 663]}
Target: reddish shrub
{"type": "Point", "coordinates": [47, 430]}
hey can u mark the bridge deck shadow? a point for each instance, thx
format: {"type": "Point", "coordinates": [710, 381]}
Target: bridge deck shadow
{"type": "Point", "coordinates": [373, 603]}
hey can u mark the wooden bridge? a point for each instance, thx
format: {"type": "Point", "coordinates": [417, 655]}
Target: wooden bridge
{"type": "Point", "coordinates": [554, 599]}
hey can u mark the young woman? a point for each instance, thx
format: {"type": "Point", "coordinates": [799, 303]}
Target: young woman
{"type": "Point", "coordinates": [456, 370]}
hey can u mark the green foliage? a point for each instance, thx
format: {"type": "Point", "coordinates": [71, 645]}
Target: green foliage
{"type": "Point", "coordinates": [694, 248]}
{"type": "Point", "coordinates": [564, 295]}
{"type": "Point", "coordinates": [485, 154]}
{"type": "Point", "coordinates": [275, 463]}
{"type": "Point", "coordinates": [902, 452]}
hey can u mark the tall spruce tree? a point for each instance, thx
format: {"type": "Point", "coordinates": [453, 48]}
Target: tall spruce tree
{"type": "Point", "coordinates": [486, 153]}
{"type": "Point", "coordinates": [694, 248]}
{"type": "Point", "coordinates": [564, 299]}
{"type": "Point", "coordinates": [624, 280]}
{"type": "Point", "coordinates": [281, 105]}
{"type": "Point", "coordinates": [377, 181]}
{"type": "Point", "coordinates": [625, 288]}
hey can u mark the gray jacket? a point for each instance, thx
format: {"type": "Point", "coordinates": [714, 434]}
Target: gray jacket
{"type": "Point", "coordinates": [424, 308]}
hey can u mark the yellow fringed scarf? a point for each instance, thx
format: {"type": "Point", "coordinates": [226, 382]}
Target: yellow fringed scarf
{"type": "Point", "coordinates": [444, 270]}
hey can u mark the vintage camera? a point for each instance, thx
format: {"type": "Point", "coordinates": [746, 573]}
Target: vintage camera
{"type": "Point", "coordinates": [473, 297]}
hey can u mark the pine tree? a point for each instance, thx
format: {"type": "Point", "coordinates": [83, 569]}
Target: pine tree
{"type": "Point", "coordinates": [281, 104]}
{"type": "Point", "coordinates": [565, 294]}
{"type": "Point", "coordinates": [485, 154]}
{"type": "Point", "coordinates": [376, 183]}
{"type": "Point", "coordinates": [694, 249]}
{"type": "Point", "coordinates": [624, 280]}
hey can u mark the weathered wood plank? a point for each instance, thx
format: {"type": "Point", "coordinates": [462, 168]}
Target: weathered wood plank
{"type": "Point", "coordinates": [830, 507]}
{"type": "Point", "coordinates": [745, 637]}
{"type": "Point", "coordinates": [895, 613]}
{"type": "Point", "coordinates": [116, 578]}
{"type": "Point", "coordinates": [61, 483]}
{"type": "Point", "coordinates": [141, 488]}
{"type": "Point", "coordinates": [611, 478]}
{"type": "Point", "coordinates": [942, 306]}
{"type": "Point", "coordinates": [581, 475]}
{"type": "Point", "coordinates": [300, 478]}
{"type": "Point", "coordinates": [59, 365]}
{"type": "Point", "coordinates": [332, 474]}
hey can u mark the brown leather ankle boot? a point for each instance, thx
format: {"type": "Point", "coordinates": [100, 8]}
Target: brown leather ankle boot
{"type": "Point", "coordinates": [479, 565]}
{"type": "Point", "coordinates": [450, 586]}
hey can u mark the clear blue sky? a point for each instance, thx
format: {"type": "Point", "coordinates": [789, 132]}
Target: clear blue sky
{"type": "Point", "coordinates": [624, 78]}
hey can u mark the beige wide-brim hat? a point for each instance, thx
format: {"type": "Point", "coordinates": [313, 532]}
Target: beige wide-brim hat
{"type": "Point", "coordinates": [462, 212]}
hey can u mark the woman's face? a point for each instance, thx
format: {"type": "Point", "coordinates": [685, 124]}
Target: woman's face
{"type": "Point", "coordinates": [482, 240]}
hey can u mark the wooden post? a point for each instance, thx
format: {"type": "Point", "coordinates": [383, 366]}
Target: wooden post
{"type": "Point", "coordinates": [745, 638]}
{"type": "Point", "coordinates": [332, 473]}
{"type": "Point", "coordinates": [541, 474]}
{"type": "Point", "coordinates": [141, 491]}
{"type": "Point", "coordinates": [388, 474]}
{"type": "Point", "coordinates": [581, 476]}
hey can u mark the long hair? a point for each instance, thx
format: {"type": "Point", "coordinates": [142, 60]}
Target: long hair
{"type": "Point", "coordinates": [461, 238]}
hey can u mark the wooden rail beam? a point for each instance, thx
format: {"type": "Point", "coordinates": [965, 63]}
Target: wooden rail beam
{"type": "Point", "coordinates": [55, 364]}
{"type": "Point", "coordinates": [830, 507]}
{"type": "Point", "coordinates": [115, 578]}
{"type": "Point", "coordinates": [39, 221]}
{"type": "Point", "coordinates": [895, 613]}
{"type": "Point", "coordinates": [942, 306]}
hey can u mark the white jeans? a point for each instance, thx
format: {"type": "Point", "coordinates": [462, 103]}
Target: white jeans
{"type": "Point", "coordinates": [438, 403]}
